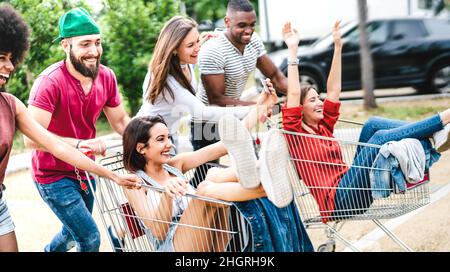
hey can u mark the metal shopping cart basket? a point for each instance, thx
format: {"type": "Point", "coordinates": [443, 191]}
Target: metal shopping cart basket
{"type": "Point", "coordinates": [309, 166]}
{"type": "Point", "coordinates": [229, 230]}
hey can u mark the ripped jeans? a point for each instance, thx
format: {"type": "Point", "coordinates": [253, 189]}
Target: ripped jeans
{"type": "Point", "coordinates": [74, 208]}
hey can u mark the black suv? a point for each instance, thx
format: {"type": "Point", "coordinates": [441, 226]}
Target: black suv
{"type": "Point", "coordinates": [405, 52]}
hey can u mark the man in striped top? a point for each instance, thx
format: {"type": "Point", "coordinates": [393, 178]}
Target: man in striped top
{"type": "Point", "coordinates": [226, 63]}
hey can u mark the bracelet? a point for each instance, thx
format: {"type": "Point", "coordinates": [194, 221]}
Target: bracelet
{"type": "Point", "coordinates": [293, 62]}
{"type": "Point", "coordinates": [78, 144]}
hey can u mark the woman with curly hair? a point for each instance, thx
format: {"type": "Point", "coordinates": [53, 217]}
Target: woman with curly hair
{"type": "Point", "coordinates": [14, 43]}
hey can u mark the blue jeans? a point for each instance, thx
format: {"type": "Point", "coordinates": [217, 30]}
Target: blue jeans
{"type": "Point", "coordinates": [202, 135]}
{"type": "Point", "coordinates": [74, 208]}
{"type": "Point", "coordinates": [274, 229]}
{"type": "Point", "coordinates": [377, 131]}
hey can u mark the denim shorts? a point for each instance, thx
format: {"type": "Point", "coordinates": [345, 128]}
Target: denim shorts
{"type": "Point", "coordinates": [163, 245]}
{"type": "Point", "coordinates": [6, 223]}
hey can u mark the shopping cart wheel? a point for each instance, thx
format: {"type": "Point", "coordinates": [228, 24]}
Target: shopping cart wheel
{"type": "Point", "coordinates": [328, 246]}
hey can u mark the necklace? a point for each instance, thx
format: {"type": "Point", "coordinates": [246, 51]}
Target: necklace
{"type": "Point", "coordinates": [183, 66]}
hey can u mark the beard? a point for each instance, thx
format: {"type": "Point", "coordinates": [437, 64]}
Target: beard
{"type": "Point", "coordinates": [86, 71]}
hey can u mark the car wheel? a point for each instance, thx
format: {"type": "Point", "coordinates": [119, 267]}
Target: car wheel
{"type": "Point", "coordinates": [440, 79]}
{"type": "Point", "coordinates": [308, 78]}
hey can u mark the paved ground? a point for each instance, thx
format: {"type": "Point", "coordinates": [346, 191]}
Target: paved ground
{"type": "Point", "coordinates": [426, 231]}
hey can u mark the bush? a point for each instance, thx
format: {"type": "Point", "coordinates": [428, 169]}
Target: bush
{"type": "Point", "coordinates": [130, 30]}
{"type": "Point", "coordinates": [42, 17]}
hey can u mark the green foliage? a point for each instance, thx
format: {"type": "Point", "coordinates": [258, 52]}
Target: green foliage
{"type": "Point", "coordinates": [130, 30]}
{"type": "Point", "coordinates": [209, 9]}
{"type": "Point", "coordinates": [42, 17]}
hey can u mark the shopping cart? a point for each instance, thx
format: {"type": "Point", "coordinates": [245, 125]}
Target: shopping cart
{"type": "Point", "coordinates": [308, 167]}
{"type": "Point", "coordinates": [228, 230]}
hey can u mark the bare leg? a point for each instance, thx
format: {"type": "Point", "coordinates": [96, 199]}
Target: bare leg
{"type": "Point", "coordinates": [229, 191]}
{"type": "Point", "coordinates": [445, 117]}
{"type": "Point", "coordinates": [8, 243]}
{"type": "Point", "coordinates": [217, 174]}
{"type": "Point", "coordinates": [222, 237]}
{"type": "Point", "coordinates": [196, 232]}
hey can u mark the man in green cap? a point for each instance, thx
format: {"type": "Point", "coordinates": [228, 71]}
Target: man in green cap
{"type": "Point", "coordinates": [67, 99]}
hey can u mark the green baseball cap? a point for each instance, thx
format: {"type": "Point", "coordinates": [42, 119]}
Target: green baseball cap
{"type": "Point", "coordinates": [76, 22]}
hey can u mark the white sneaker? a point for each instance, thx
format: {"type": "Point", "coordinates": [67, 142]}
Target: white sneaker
{"type": "Point", "coordinates": [274, 164]}
{"type": "Point", "coordinates": [239, 143]}
{"type": "Point", "coordinates": [442, 139]}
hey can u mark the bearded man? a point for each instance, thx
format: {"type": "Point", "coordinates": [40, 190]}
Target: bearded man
{"type": "Point", "coordinates": [67, 99]}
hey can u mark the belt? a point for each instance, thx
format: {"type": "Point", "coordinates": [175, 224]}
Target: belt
{"type": "Point", "coordinates": [2, 188]}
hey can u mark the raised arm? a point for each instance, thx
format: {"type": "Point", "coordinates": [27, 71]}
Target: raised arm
{"type": "Point", "coordinates": [334, 79]}
{"type": "Point", "coordinates": [292, 38]}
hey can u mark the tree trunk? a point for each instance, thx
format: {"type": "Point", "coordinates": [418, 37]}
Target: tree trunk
{"type": "Point", "coordinates": [366, 59]}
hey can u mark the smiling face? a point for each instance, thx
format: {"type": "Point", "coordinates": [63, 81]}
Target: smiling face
{"type": "Point", "coordinates": [157, 149]}
{"type": "Point", "coordinates": [240, 27]}
{"type": "Point", "coordinates": [312, 108]}
{"type": "Point", "coordinates": [188, 50]}
{"type": "Point", "coordinates": [6, 68]}
{"type": "Point", "coordinates": [84, 54]}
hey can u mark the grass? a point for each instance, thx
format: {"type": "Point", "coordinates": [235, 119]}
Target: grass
{"type": "Point", "coordinates": [401, 110]}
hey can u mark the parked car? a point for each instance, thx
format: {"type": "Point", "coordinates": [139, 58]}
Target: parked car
{"type": "Point", "coordinates": [405, 52]}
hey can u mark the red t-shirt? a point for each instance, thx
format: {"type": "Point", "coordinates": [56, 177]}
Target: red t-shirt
{"type": "Point", "coordinates": [7, 129]}
{"type": "Point", "coordinates": [74, 114]}
{"type": "Point", "coordinates": [322, 179]}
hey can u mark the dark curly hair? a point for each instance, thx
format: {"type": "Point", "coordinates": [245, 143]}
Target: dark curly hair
{"type": "Point", "coordinates": [14, 33]}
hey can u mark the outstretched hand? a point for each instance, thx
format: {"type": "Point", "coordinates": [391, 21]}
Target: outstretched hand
{"type": "Point", "coordinates": [129, 181]}
{"type": "Point", "coordinates": [290, 35]}
{"type": "Point", "coordinates": [337, 34]}
{"type": "Point", "coordinates": [205, 36]}
{"type": "Point", "coordinates": [176, 187]}
{"type": "Point", "coordinates": [267, 100]}
{"type": "Point", "coordinates": [96, 146]}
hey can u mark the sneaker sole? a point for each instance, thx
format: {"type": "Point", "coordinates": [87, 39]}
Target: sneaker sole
{"type": "Point", "coordinates": [239, 144]}
{"type": "Point", "coordinates": [274, 169]}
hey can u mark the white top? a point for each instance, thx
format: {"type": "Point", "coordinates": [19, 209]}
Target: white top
{"type": "Point", "coordinates": [184, 102]}
{"type": "Point", "coordinates": [220, 56]}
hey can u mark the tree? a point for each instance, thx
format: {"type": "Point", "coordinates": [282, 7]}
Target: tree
{"type": "Point", "coordinates": [209, 9]}
{"type": "Point", "coordinates": [130, 30]}
{"type": "Point", "coordinates": [366, 59]}
{"type": "Point", "coordinates": [42, 17]}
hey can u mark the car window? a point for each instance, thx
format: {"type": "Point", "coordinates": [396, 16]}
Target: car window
{"type": "Point", "coordinates": [438, 27]}
{"type": "Point", "coordinates": [327, 40]}
{"type": "Point", "coordinates": [407, 30]}
{"type": "Point", "coordinates": [378, 32]}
